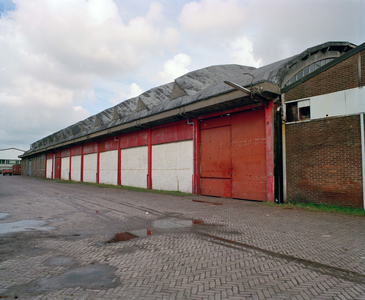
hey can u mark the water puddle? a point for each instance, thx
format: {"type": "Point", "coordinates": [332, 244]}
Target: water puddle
{"type": "Point", "coordinates": [126, 236]}
{"type": "Point", "coordinates": [60, 261]}
{"type": "Point", "coordinates": [25, 225]}
{"type": "Point", "coordinates": [201, 201]}
{"type": "Point", "coordinates": [171, 223]}
{"type": "Point", "coordinates": [4, 215]}
{"type": "Point", "coordinates": [87, 277]}
{"type": "Point", "coordinates": [157, 225]}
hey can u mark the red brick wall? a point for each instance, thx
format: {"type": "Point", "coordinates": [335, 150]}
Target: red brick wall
{"type": "Point", "coordinates": [340, 77]}
{"type": "Point", "coordinates": [324, 161]}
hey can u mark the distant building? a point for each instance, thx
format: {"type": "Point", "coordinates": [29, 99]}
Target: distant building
{"type": "Point", "coordinates": [289, 131]}
{"type": "Point", "coordinates": [9, 157]}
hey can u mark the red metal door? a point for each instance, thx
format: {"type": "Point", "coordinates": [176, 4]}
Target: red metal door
{"type": "Point", "coordinates": [57, 168]}
{"type": "Point", "coordinates": [233, 156]}
{"type": "Point", "coordinates": [215, 172]}
{"type": "Point", "coordinates": [249, 155]}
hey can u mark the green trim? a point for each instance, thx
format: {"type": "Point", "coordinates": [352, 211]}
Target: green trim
{"type": "Point", "coordinates": [324, 68]}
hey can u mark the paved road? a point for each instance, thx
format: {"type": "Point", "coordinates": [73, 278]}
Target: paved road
{"type": "Point", "coordinates": [213, 248]}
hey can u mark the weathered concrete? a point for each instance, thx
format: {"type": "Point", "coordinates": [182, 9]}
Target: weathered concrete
{"type": "Point", "coordinates": [195, 250]}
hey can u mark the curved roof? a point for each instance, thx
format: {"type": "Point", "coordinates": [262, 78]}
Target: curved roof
{"type": "Point", "coordinates": [190, 88]}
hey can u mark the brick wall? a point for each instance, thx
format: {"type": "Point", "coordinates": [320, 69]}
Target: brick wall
{"type": "Point", "coordinates": [340, 77]}
{"type": "Point", "coordinates": [324, 161]}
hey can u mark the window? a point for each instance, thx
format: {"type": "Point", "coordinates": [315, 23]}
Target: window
{"type": "Point", "coordinates": [308, 69]}
{"type": "Point", "coordinates": [298, 111]}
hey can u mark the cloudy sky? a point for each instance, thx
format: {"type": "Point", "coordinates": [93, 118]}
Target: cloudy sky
{"type": "Point", "coordinates": [64, 60]}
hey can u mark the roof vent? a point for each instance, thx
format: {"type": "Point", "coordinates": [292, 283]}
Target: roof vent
{"type": "Point", "coordinates": [177, 92]}
{"type": "Point", "coordinates": [115, 114]}
{"type": "Point", "coordinates": [96, 123]}
{"type": "Point", "coordinates": [140, 105]}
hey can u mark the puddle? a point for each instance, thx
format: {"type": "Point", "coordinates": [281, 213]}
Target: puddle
{"type": "Point", "coordinates": [201, 201]}
{"type": "Point", "coordinates": [126, 236]}
{"type": "Point", "coordinates": [4, 215]}
{"type": "Point", "coordinates": [60, 261]}
{"type": "Point", "coordinates": [87, 277]}
{"type": "Point", "coordinates": [25, 225]}
{"type": "Point", "coordinates": [172, 223]}
{"type": "Point", "coordinates": [168, 223]}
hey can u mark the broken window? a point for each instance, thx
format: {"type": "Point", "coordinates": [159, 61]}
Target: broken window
{"type": "Point", "coordinates": [298, 111]}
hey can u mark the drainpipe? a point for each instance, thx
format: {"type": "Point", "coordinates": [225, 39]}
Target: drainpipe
{"type": "Point", "coordinates": [194, 154]}
{"type": "Point", "coordinates": [363, 157]}
{"type": "Point", "coordinates": [285, 199]}
{"type": "Point", "coordinates": [119, 177]}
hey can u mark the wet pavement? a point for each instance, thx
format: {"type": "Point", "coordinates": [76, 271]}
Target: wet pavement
{"type": "Point", "coordinates": [74, 241]}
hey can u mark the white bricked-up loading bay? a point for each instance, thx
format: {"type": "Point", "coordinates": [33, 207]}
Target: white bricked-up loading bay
{"type": "Point", "coordinates": [57, 241]}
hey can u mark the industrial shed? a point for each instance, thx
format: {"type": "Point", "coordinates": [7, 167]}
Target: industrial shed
{"type": "Point", "coordinates": [216, 131]}
{"type": "Point", "coordinates": [324, 133]}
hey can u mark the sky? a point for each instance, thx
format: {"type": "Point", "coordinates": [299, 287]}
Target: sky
{"type": "Point", "coordinates": [62, 61]}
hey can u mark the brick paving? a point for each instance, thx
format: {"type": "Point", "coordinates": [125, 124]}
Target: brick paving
{"type": "Point", "coordinates": [197, 250]}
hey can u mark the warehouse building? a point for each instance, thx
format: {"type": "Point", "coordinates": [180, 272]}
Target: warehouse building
{"type": "Point", "coordinates": [9, 157]}
{"type": "Point", "coordinates": [217, 131]}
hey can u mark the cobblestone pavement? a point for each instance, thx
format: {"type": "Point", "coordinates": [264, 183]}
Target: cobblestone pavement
{"type": "Point", "coordinates": [186, 249]}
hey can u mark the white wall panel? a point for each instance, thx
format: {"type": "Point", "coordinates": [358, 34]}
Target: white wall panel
{"type": "Point", "coordinates": [65, 168]}
{"type": "Point", "coordinates": [109, 167]}
{"type": "Point", "coordinates": [76, 168]}
{"type": "Point", "coordinates": [338, 104]}
{"type": "Point", "coordinates": [90, 164]}
{"type": "Point", "coordinates": [172, 166]}
{"type": "Point", "coordinates": [49, 168]}
{"type": "Point", "coordinates": [134, 167]}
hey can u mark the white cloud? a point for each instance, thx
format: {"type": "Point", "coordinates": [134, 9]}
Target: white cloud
{"type": "Point", "coordinates": [175, 67]}
{"type": "Point", "coordinates": [52, 53]}
{"type": "Point", "coordinates": [212, 16]}
{"type": "Point", "coordinates": [134, 90]}
{"type": "Point", "coordinates": [241, 52]}
{"type": "Point", "coordinates": [120, 95]}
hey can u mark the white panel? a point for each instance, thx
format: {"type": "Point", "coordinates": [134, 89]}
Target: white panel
{"type": "Point", "coordinates": [76, 168]}
{"type": "Point", "coordinates": [109, 167]}
{"type": "Point", "coordinates": [355, 101]}
{"type": "Point", "coordinates": [328, 105]}
{"type": "Point", "coordinates": [338, 104]}
{"type": "Point", "coordinates": [90, 164]}
{"type": "Point", "coordinates": [65, 168]}
{"type": "Point", "coordinates": [303, 103]}
{"type": "Point", "coordinates": [49, 168]}
{"type": "Point", "coordinates": [134, 167]}
{"type": "Point", "coordinates": [172, 166]}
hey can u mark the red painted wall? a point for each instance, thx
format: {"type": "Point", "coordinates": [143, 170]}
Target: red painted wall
{"type": "Point", "coordinates": [134, 139]}
{"type": "Point", "coordinates": [108, 145]}
{"type": "Point", "coordinates": [172, 133]}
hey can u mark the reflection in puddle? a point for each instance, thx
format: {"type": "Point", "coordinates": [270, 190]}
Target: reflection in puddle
{"type": "Point", "coordinates": [174, 223]}
{"type": "Point", "coordinates": [169, 223]}
{"type": "Point", "coordinates": [201, 201]}
{"type": "Point", "coordinates": [126, 236]}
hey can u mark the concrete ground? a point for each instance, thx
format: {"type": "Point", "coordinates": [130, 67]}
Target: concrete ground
{"type": "Point", "coordinates": [58, 241]}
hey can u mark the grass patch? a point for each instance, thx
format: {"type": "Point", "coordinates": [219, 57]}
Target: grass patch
{"type": "Point", "coordinates": [130, 188]}
{"type": "Point", "coordinates": [320, 208]}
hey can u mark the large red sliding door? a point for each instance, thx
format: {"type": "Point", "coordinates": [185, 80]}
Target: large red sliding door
{"type": "Point", "coordinates": [215, 171]}
{"type": "Point", "coordinates": [233, 156]}
{"type": "Point", "coordinates": [249, 155]}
